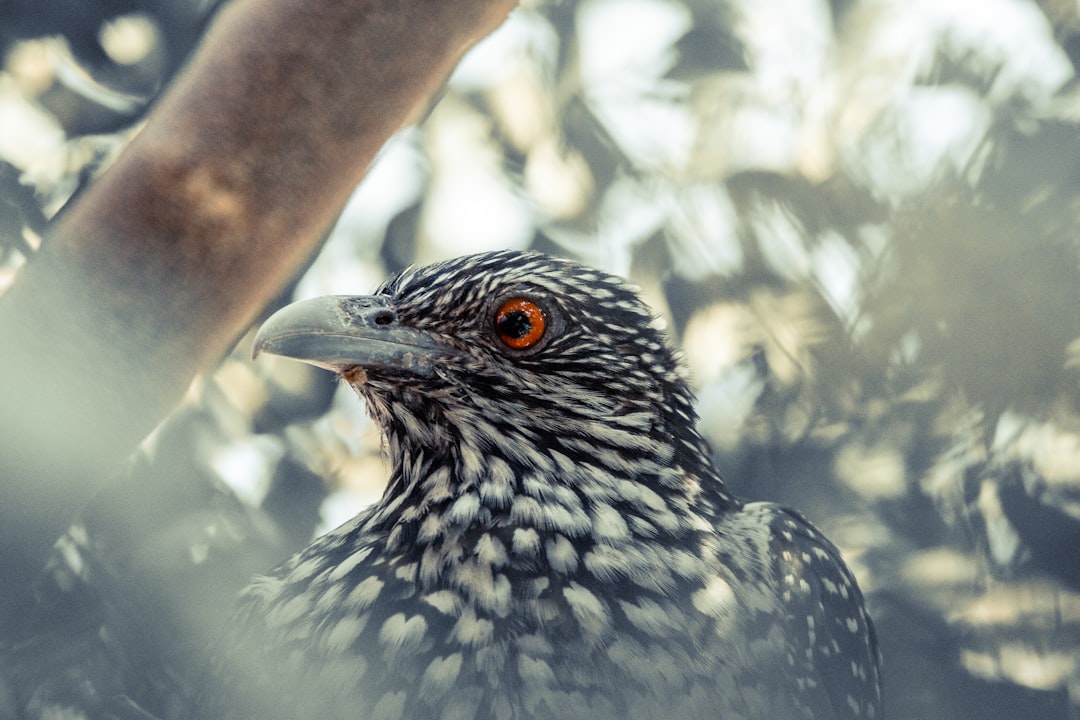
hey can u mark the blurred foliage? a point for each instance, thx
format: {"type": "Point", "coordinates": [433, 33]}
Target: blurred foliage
{"type": "Point", "coordinates": [859, 217]}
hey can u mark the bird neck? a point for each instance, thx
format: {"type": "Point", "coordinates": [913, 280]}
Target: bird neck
{"type": "Point", "coordinates": [544, 488]}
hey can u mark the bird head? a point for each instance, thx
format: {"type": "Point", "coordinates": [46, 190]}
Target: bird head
{"type": "Point", "coordinates": [503, 351]}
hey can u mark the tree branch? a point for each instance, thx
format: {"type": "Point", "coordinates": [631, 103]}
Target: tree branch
{"type": "Point", "coordinates": [169, 256]}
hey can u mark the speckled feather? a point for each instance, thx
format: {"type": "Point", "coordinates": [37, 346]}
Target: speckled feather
{"type": "Point", "coordinates": [553, 542]}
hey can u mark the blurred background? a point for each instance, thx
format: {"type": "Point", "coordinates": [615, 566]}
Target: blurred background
{"type": "Point", "coordinates": [859, 218]}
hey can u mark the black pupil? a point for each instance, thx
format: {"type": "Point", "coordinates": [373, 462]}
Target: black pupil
{"type": "Point", "coordinates": [514, 324]}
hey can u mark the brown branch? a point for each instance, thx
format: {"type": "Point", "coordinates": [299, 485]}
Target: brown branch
{"type": "Point", "coordinates": [166, 259]}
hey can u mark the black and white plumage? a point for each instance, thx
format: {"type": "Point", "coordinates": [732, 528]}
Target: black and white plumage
{"type": "Point", "coordinates": [554, 541]}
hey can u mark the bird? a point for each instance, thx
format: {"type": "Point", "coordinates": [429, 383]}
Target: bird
{"type": "Point", "coordinates": [553, 541]}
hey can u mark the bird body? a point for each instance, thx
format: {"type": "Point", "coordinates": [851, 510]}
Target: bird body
{"type": "Point", "coordinates": [554, 541]}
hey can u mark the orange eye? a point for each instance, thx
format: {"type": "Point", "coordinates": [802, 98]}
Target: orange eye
{"type": "Point", "coordinates": [520, 323]}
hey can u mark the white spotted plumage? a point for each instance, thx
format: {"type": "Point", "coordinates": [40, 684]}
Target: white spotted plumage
{"type": "Point", "coordinates": [553, 541]}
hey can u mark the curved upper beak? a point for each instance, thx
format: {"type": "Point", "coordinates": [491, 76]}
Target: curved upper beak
{"type": "Point", "coordinates": [339, 332]}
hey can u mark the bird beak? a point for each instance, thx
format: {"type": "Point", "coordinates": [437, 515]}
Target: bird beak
{"type": "Point", "coordinates": [342, 333]}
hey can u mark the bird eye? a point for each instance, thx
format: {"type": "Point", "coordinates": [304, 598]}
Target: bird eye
{"type": "Point", "coordinates": [520, 323]}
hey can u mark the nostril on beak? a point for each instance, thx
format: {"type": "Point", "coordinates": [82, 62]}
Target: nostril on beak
{"type": "Point", "coordinates": [384, 318]}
